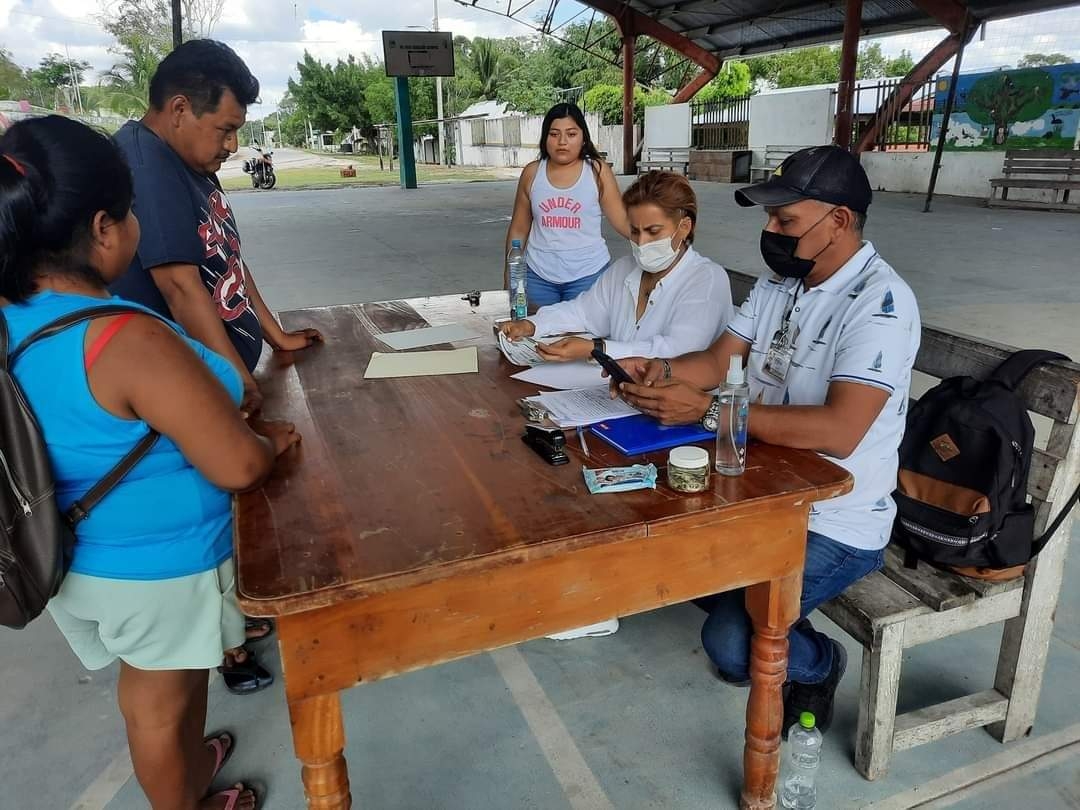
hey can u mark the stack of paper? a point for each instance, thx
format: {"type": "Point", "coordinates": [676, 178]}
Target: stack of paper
{"type": "Point", "coordinates": [583, 406]}
{"type": "Point", "coordinates": [563, 376]}
{"type": "Point", "coordinates": [520, 352]}
{"type": "Point", "coordinates": [422, 364]}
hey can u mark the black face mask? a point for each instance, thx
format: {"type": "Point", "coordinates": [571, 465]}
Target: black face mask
{"type": "Point", "coordinates": [778, 251]}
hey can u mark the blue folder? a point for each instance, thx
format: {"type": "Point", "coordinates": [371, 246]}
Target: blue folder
{"type": "Point", "coordinates": [643, 434]}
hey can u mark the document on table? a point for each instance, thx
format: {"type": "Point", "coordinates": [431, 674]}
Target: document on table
{"type": "Point", "coordinates": [563, 376]}
{"type": "Point", "coordinates": [422, 364]}
{"type": "Point", "coordinates": [583, 406]}
{"type": "Point", "coordinates": [521, 352]}
{"type": "Point", "coordinates": [428, 336]}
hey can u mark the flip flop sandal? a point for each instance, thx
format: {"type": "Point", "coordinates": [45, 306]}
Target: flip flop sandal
{"type": "Point", "coordinates": [262, 628]}
{"type": "Point", "coordinates": [232, 796]}
{"type": "Point", "coordinates": [221, 753]}
{"type": "Point", "coordinates": [247, 677]}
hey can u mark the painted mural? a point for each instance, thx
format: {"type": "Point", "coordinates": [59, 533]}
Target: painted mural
{"type": "Point", "coordinates": [1027, 108]}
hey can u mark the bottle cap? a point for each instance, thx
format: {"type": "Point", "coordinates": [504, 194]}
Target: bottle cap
{"type": "Point", "coordinates": [807, 720]}
{"type": "Point", "coordinates": [515, 243]}
{"type": "Point", "coordinates": [736, 375]}
{"type": "Point", "coordinates": [689, 458]}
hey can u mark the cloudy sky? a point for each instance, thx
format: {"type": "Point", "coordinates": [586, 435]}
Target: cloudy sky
{"type": "Point", "coordinates": [271, 35]}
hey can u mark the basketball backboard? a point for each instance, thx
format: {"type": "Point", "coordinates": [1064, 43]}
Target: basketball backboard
{"type": "Point", "coordinates": [418, 53]}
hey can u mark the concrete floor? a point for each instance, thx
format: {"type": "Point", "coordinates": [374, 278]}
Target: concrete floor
{"type": "Point", "coordinates": [630, 721]}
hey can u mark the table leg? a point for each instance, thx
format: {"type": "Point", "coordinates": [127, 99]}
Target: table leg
{"type": "Point", "coordinates": [773, 607]}
{"type": "Point", "coordinates": [319, 739]}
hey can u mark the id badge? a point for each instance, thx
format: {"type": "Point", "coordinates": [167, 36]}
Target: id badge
{"type": "Point", "coordinates": [778, 359]}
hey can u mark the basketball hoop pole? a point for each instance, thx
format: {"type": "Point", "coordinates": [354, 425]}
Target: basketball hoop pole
{"type": "Point", "coordinates": [406, 160]}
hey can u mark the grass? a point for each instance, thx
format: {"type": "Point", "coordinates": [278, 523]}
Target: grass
{"type": "Point", "coordinates": [367, 174]}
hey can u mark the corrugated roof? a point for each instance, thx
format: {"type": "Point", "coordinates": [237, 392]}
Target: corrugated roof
{"type": "Point", "coordinates": [738, 27]}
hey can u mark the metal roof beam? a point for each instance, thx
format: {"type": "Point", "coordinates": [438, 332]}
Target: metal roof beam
{"type": "Point", "coordinates": [633, 22]}
{"type": "Point", "coordinates": [952, 14]}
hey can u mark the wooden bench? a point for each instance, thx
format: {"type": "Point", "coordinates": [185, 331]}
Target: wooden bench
{"type": "Point", "coordinates": [668, 160]}
{"type": "Point", "coordinates": [1029, 168]}
{"type": "Point", "coordinates": [774, 156]}
{"type": "Point", "coordinates": [897, 608]}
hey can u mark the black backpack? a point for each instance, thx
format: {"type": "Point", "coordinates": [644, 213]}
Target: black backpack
{"type": "Point", "coordinates": [35, 539]}
{"type": "Point", "coordinates": [964, 461]}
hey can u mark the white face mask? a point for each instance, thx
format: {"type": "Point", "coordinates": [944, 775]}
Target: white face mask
{"type": "Point", "coordinates": [654, 257]}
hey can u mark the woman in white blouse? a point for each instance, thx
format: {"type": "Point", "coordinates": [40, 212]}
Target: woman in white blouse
{"type": "Point", "coordinates": [664, 300]}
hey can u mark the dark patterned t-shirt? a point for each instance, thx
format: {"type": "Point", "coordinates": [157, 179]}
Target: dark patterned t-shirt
{"type": "Point", "coordinates": [186, 219]}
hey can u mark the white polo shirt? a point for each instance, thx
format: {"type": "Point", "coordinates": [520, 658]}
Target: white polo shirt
{"type": "Point", "coordinates": [860, 326]}
{"type": "Point", "coordinates": [687, 310]}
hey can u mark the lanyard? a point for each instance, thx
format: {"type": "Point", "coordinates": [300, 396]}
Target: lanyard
{"type": "Point", "coordinates": [786, 324]}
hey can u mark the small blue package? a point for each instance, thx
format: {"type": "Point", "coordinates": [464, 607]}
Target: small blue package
{"type": "Point", "coordinates": [620, 479]}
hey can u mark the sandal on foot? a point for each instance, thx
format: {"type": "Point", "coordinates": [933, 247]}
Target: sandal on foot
{"type": "Point", "coordinates": [232, 795]}
{"type": "Point", "coordinates": [256, 629]}
{"type": "Point", "coordinates": [246, 677]}
{"type": "Point", "coordinates": [221, 752]}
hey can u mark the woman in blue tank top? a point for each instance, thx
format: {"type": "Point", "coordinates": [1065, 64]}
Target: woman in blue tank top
{"type": "Point", "coordinates": [151, 579]}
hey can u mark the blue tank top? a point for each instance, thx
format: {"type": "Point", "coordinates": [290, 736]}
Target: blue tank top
{"type": "Point", "coordinates": [165, 519]}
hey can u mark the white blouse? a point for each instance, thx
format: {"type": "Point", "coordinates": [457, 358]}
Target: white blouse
{"type": "Point", "coordinates": [687, 310]}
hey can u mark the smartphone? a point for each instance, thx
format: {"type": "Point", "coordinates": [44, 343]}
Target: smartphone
{"type": "Point", "coordinates": [614, 370]}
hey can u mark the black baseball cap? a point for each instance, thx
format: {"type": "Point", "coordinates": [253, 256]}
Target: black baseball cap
{"type": "Point", "coordinates": [827, 173]}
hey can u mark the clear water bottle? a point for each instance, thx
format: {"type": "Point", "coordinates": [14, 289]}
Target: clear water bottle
{"type": "Point", "coordinates": [733, 421]}
{"type": "Point", "coordinates": [515, 262]}
{"type": "Point", "coordinates": [804, 756]}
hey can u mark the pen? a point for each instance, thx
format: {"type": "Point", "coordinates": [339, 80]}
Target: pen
{"type": "Point", "coordinates": [581, 439]}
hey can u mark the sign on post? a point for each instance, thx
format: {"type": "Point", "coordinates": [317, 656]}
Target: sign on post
{"type": "Point", "coordinates": [413, 53]}
{"type": "Point", "coordinates": [418, 53]}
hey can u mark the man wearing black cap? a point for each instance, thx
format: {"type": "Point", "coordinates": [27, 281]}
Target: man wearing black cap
{"type": "Point", "coordinates": [829, 340]}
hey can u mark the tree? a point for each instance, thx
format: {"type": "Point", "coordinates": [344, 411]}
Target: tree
{"type": "Point", "coordinates": [733, 81]}
{"type": "Point", "coordinates": [607, 99]}
{"type": "Point", "coordinates": [1003, 98]}
{"type": "Point", "coordinates": [1031, 60]}
{"type": "Point", "coordinates": [871, 63]}
{"type": "Point", "coordinates": [13, 81]}
{"type": "Point", "coordinates": [127, 83]}
{"type": "Point", "coordinates": [901, 65]}
{"type": "Point", "coordinates": [201, 16]}
{"type": "Point", "coordinates": [333, 96]}
{"type": "Point", "coordinates": [489, 66]}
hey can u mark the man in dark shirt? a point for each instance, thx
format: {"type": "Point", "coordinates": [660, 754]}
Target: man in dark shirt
{"type": "Point", "coordinates": [189, 266]}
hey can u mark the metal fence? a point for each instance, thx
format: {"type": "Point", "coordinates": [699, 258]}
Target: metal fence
{"type": "Point", "coordinates": [904, 130]}
{"type": "Point", "coordinates": [721, 124]}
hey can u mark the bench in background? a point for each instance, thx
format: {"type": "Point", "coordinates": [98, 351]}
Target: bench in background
{"type": "Point", "coordinates": [1032, 169]}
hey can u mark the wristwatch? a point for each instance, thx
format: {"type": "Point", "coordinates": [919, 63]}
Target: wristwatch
{"type": "Point", "coordinates": [599, 345]}
{"type": "Point", "coordinates": [711, 420]}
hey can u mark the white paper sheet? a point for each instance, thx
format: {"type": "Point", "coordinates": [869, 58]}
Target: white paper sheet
{"type": "Point", "coordinates": [422, 364]}
{"type": "Point", "coordinates": [563, 376]}
{"type": "Point", "coordinates": [583, 406]}
{"type": "Point", "coordinates": [428, 336]}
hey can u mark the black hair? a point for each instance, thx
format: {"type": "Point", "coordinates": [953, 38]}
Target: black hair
{"type": "Point", "coordinates": [858, 221]}
{"type": "Point", "coordinates": [56, 174]}
{"type": "Point", "coordinates": [567, 110]}
{"type": "Point", "coordinates": [201, 70]}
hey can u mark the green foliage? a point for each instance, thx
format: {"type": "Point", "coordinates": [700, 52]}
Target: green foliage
{"type": "Point", "coordinates": [821, 65]}
{"type": "Point", "coordinates": [733, 81]}
{"type": "Point", "coordinates": [1005, 97]}
{"type": "Point", "coordinates": [606, 99]}
{"type": "Point", "coordinates": [901, 65]}
{"type": "Point", "coordinates": [13, 81]}
{"type": "Point", "coordinates": [1043, 60]}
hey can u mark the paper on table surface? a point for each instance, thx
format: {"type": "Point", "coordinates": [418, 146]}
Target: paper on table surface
{"type": "Point", "coordinates": [521, 352]}
{"type": "Point", "coordinates": [428, 336]}
{"type": "Point", "coordinates": [563, 376]}
{"type": "Point", "coordinates": [583, 406]}
{"type": "Point", "coordinates": [422, 364]}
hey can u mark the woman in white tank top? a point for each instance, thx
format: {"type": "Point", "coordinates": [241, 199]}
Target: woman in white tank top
{"type": "Point", "coordinates": [558, 208]}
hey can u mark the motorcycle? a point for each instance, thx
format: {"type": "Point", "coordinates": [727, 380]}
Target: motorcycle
{"type": "Point", "coordinates": [261, 168]}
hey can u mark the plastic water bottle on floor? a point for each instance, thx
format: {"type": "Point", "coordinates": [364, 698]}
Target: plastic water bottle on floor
{"type": "Point", "coordinates": [804, 755]}
{"type": "Point", "coordinates": [515, 261]}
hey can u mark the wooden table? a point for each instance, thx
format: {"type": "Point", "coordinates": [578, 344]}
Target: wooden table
{"type": "Point", "coordinates": [413, 527]}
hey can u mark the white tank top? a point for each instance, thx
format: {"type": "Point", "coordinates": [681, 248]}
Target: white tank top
{"type": "Point", "coordinates": [565, 243]}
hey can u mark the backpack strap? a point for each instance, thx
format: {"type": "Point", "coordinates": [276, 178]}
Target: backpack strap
{"type": "Point", "coordinates": [1038, 544]}
{"type": "Point", "coordinates": [70, 320]}
{"type": "Point", "coordinates": [80, 510]}
{"type": "Point", "coordinates": [1018, 365]}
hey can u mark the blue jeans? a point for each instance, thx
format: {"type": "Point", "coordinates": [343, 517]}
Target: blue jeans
{"type": "Point", "coordinates": [542, 292]}
{"type": "Point", "coordinates": [830, 568]}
